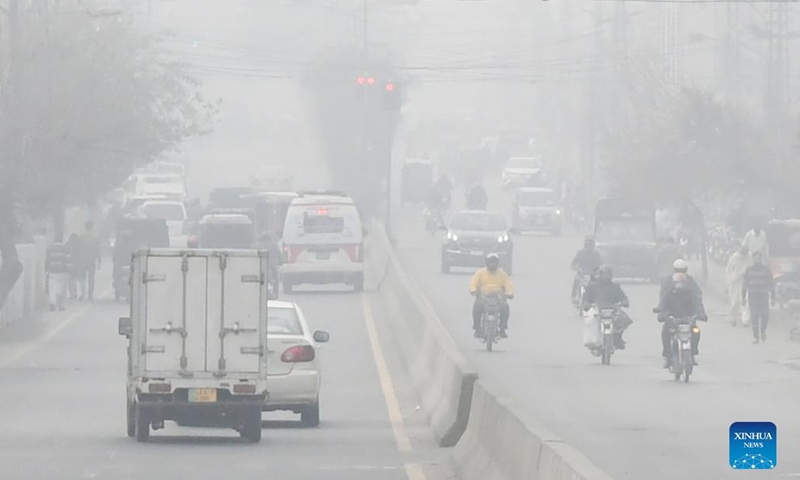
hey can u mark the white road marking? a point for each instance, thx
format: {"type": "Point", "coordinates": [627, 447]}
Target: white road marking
{"type": "Point", "coordinates": [395, 416]}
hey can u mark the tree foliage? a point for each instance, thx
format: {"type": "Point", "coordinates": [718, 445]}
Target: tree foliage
{"type": "Point", "coordinates": [85, 101]}
{"type": "Point", "coordinates": [685, 143]}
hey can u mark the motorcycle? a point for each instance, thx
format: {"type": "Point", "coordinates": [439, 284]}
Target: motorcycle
{"type": "Point", "coordinates": [490, 320]}
{"type": "Point", "coordinates": [433, 220]}
{"type": "Point", "coordinates": [606, 318]}
{"type": "Point", "coordinates": [681, 362]}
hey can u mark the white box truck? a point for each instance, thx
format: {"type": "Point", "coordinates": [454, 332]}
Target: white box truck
{"type": "Point", "coordinates": [197, 331]}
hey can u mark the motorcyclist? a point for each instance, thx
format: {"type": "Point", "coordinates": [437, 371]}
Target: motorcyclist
{"type": "Point", "coordinates": [679, 301]}
{"type": "Point", "coordinates": [476, 198]}
{"type": "Point", "coordinates": [605, 294]}
{"type": "Point", "coordinates": [444, 189]}
{"type": "Point", "coordinates": [681, 266]}
{"type": "Point", "coordinates": [586, 261]}
{"type": "Point", "coordinates": [488, 280]}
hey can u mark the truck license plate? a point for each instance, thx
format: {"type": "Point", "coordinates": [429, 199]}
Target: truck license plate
{"type": "Point", "coordinates": [203, 395]}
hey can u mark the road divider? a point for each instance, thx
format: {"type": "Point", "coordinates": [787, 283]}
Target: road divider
{"type": "Point", "coordinates": [28, 293]}
{"type": "Point", "coordinates": [493, 438]}
{"type": "Point", "coordinates": [503, 443]}
{"type": "Point", "coordinates": [441, 376]}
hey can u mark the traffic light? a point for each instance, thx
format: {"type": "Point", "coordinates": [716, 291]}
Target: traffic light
{"type": "Point", "coordinates": [392, 97]}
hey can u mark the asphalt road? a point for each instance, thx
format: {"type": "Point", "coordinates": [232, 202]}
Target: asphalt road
{"type": "Point", "coordinates": [63, 396]}
{"type": "Point", "coordinates": [630, 418]}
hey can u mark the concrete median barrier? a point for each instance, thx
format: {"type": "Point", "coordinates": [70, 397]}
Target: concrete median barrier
{"type": "Point", "coordinates": [503, 443]}
{"type": "Point", "coordinates": [440, 374]}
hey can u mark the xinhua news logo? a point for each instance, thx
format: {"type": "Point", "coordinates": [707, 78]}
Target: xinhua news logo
{"type": "Point", "coordinates": [753, 446]}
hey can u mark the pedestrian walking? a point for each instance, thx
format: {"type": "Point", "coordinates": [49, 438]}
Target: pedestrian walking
{"type": "Point", "coordinates": [734, 277]}
{"type": "Point", "coordinates": [756, 242]}
{"type": "Point", "coordinates": [74, 251]}
{"type": "Point", "coordinates": [58, 266]}
{"type": "Point", "coordinates": [88, 261]}
{"type": "Point", "coordinates": [758, 289]}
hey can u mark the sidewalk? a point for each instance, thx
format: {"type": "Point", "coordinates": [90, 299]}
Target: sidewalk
{"type": "Point", "coordinates": [18, 339]}
{"type": "Point", "coordinates": [782, 345]}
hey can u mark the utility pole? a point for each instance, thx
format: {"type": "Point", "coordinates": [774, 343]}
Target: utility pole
{"type": "Point", "coordinates": [776, 96]}
{"type": "Point", "coordinates": [673, 48]}
{"type": "Point", "coordinates": [594, 91]}
{"type": "Point", "coordinates": [732, 66]}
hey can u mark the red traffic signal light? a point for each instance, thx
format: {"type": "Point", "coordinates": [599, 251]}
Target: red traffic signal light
{"type": "Point", "coordinates": [361, 80]}
{"type": "Point", "coordinates": [371, 80]}
{"type": "Point", "coordinates": [389, 87]}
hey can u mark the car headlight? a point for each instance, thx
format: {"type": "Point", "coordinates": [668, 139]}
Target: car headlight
{"type": "Point", "coordinates": [452, 236]}
{"type": "Point", "coordinates": [502, 238]}
{"type": "Point", "coordinates": [558, 211]}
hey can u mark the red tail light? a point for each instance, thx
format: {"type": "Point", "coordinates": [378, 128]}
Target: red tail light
{"type": "Point", "coordinates": [298, 353]}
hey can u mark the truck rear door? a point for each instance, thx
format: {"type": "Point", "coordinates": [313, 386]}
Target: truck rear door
{"type": "Point", "coordinates": [175, 313]}
{"type": "Point", "coordinates": [237, 301]}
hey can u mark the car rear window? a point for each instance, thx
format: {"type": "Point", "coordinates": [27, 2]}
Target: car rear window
{"type": "Point", "coordinates": [165, 211]}
{"type": "Point", "coordinates": [283, 321]}
{"type": "Point", "coordinates": [340, 223]}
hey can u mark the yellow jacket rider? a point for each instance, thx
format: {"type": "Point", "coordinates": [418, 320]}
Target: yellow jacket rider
{"type": "Point", "coordinates": [488, 280]}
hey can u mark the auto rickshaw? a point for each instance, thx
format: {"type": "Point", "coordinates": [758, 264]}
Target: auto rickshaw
{"type": "Point", "coordinates": [132, 234]}
{"type": "Point", "coordinates": [417, 181]}
{"type": "Point", "coordinates": [783, 238]}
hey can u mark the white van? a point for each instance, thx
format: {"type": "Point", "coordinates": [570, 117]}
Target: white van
{"type": "Point", "coordinates": [323, 242]}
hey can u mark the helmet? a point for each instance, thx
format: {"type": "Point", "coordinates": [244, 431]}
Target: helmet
{"type": "Point", "coordinates": [680, 266]}
{"type": "Point", "coordinates": [605, 272]}
{"type": "Point", "coordinates": [492, 258]}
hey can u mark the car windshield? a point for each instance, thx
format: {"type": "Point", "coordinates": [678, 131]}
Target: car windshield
{"type": "Point", "coordinates": [523, 162]}
{"type": "Point", "coordinates": [537, 199]}
{"type": "Point", "coordinates": [625, 231]}
{"type": "Point", "coordinates": [283, 321]}
{"type": "Point", "coordinates": [165, 211]}
{"type": "Point", "coordinates": [479, 222]}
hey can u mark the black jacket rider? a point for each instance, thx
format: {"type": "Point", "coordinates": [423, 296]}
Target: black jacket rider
{"type": "Point", "coordinates": [680, 303]}
{"type": "Point", "coordinates": [606, 294]}
{"type": "Point", "coordinates": [587, 260]}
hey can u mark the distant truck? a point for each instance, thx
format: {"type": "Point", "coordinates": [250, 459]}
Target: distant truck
{"type": "Point", "coordinates": [625, 232]}
{"type": "Point", "coordinates": [197, 332]}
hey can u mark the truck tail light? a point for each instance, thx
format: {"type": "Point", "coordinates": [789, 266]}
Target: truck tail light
{"type": "Point", "coordinates": [159, 388]}
{"type": "Point", "coordinates": [244, 388]}
{"type": "Point", "coordinates": [298, 353]}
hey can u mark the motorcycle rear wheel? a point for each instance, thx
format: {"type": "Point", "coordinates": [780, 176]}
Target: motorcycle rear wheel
{"type": "Point", "coordinates": [605, 358]}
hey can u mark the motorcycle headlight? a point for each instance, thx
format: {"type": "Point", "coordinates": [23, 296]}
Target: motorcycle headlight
{"type": "Point", "coordinates": [558, 211]}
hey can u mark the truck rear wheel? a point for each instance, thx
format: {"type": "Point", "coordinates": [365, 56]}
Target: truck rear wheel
{"type": "Point", "coordinates": [131, 414]}
{"type": "Point", "coordinates": [142, 424]}
{"type": "Point", "coordinates": [251, 430]}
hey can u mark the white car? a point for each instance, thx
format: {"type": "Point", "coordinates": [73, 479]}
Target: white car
{"type": "Point", "coordinates": [172, 186]}
{"type": "Point", "coordinates": [323, 242]}
{"type": "Point", "coordinates": [522, 171]}
{"type": "Point", "coordinates": [171, 211]}
{"type": "Point", "coordinates": [294, 371]}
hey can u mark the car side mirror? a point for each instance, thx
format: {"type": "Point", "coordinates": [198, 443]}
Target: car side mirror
{"type": "Point", "coordinates": [321, 337]}
{"type": "Point", "coordinates": [125, 327]}
{"type": "Point", "coordinates": [656, 310]}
